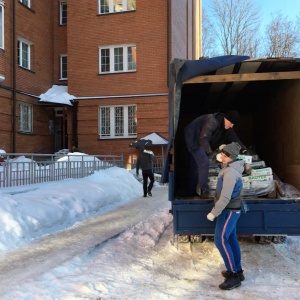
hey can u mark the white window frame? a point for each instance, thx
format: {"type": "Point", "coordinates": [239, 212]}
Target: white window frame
{"type": "Point", "coordinates": [61, 67]}
{"type": "Point", "coordinates": [112, 122]}
{"type": "Point", "coordinates": [111, 50]}
{"type": "Point", "coordinates": [115, 8]}
{"type": "Point", "coordinates": [26, 119]}
{"type": "Point", "coordinates": [1, 24]}
{"type": "Point", "coordinates": [26, 2]}
{"type": "Point", "coordinates": [22, 42]}
{"type": "Point", "coordinates": [62, 4]}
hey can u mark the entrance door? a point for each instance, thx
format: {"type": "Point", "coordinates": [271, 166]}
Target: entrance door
{"type": "Point", "coordinates": [58, 134]}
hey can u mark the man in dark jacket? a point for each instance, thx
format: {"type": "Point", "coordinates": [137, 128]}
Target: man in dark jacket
{"type": "Point", "coordinates": [203, 136]}
{"type": "Point", "coordinates": [145, 162]}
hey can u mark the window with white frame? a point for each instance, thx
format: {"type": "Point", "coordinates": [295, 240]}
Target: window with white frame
{"type": "Point", "coordinates": [63, 66]}
{"type": "Point", "coordinates": [25, 2]}
{"type": "Point", "coordinates": [24, 53]}
{"type": "Point", "coordinates": [116, 59]}
{"type": "Point", "coordinates": [25, 118]}
{"type": "Point", "coordinates": [117, 121]}
{"type": "Point", "coordinates": [63, 12]}
{"type": "Point", "coordinates": [115, 6]}
{"type": "Point", "coordinates": [1, 24]}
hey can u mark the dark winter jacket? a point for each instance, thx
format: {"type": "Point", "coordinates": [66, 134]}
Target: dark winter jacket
{"type": "Point", "coordinates": [145, 160]}
{"type": "Point", "coordinates": [208, 132]}
{"type": "Point", "coordinates": [229, 188]}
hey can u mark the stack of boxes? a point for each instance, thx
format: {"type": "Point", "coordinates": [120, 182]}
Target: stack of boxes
{"type": "Point", "coordinates": [257, 178]}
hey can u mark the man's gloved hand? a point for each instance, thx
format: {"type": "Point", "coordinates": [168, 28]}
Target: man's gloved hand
{"type": "Point", "coordinates": [210, 217]}
{"type": "Point", "coordinates": [213, 156]}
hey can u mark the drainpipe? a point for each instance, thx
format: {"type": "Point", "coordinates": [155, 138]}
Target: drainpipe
{"type": "Point", "coordinates": [14, 93]}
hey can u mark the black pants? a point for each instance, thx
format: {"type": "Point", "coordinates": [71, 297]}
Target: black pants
{"type": "Point", "coordinates": [147, 174]}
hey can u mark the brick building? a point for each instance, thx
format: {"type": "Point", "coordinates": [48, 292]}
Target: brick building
{"type": "Point", "coordinates": [111, 55]}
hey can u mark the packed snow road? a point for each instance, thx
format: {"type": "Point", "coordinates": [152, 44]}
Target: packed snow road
{"type": "Point", "coordinates": [54, 249]}
{"type": "Point", "coordinates": [85, 262]}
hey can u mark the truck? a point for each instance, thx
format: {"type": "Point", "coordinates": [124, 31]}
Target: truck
{"type": "Point", "coordinates": [266, 93]}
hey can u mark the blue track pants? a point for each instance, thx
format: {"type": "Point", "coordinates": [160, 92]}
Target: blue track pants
{"type": "Point", "coordinates": [226, 239]}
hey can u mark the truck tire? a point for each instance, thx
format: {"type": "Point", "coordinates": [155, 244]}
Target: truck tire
{"type": "Point", "coordinates": [279, 239]}
{"type": "Point", "coordinates": [197, 238]}
{"type": "Point", "coordinates": [263, 239]}
{"type": "Point", "coordinates": [183, 238]}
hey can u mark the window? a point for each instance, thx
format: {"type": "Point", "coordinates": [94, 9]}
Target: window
{"type": "Point", "coordinates": [63, 12]}
{"type": "Point", "coordinates": [1, 24]}
{"type": "Point", "coordinates": [114, 59]}
{"type": "Point", "coordinates": [63, 67]}
{"type": "Point", "coordinates": [115, 6]}
{"type": "Point", "coordinates": [24, 53]}
{"type": "Point", "coordinates": [25, 117]}
{"type": "Point", "coordinates": [25, 2]}
{"type": "Point", "coordinates": [117, 121]}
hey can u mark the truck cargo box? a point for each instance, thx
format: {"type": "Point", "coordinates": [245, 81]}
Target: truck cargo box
{"type": "Point", "coordinates": [266, 92]}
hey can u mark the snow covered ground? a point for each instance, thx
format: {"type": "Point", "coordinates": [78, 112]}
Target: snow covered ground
{"type": "Point", "coordinates": [139, 263]}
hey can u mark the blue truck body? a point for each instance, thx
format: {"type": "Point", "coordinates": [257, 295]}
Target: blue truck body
{"type": "Point", "coordinates": [250, 86]}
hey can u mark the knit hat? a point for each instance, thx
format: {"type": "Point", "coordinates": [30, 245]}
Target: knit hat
{"type": "Point", "coordinates": [233, 116]}
{"type": "Point", "coordinates": [232, 150]}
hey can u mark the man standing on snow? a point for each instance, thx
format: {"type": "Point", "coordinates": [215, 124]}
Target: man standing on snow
{"type": "Point", "coordinates": [145, 161]}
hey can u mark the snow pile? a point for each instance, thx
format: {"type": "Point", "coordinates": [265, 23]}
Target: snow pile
{"type": "Point", "coordinates": [28, 212]}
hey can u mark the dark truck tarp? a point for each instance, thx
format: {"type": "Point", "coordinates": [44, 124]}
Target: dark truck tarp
{"type": "Point", "coordinates": [179, 71]}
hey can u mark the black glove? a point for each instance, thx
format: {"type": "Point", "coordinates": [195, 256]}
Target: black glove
{"type": "Point", "coordinates": [213, 156]}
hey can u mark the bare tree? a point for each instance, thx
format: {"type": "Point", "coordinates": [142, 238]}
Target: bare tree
{"type": "Point", "coordinates": [236, 26]}
{"type": "Point", "coordinates": [208, 36]}
{"type": "Point", "coordinates": [282, 37]}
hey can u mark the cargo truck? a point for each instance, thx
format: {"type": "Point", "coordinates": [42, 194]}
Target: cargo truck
{"type": "Point", "coordinates": [266, 93]}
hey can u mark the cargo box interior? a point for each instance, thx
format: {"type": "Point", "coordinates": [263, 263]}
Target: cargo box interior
{"type": "Point", "coordinates": [266, 93]}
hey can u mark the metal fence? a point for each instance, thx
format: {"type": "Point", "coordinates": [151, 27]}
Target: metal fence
{"type": "Point", "coordinates": [158, 164]}
{"type": "Point", "coordinates": [22, 168]}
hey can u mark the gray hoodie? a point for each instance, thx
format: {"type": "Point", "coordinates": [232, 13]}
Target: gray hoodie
{"type": "Point", "coordinates": [229, 187]}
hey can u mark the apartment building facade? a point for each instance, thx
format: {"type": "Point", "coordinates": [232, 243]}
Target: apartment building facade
{"type": "Point", "coordinates": [111, 55]}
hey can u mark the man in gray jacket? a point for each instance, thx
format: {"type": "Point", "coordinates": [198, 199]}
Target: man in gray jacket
{"type": "Point", "coordinates": [145, 162]}
{"type": "Point", "coordinates": [203, 136]}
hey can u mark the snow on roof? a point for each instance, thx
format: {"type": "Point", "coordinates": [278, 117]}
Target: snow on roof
{"type": "Point", "coordinates": [57, 94]}
{"type": "Point", "coordinates": [156, 139]}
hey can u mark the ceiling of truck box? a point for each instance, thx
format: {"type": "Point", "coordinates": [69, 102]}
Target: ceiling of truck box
{"type": "Point", "coordinates": [225, 86]}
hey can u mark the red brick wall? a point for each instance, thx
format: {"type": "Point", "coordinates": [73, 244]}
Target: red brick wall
{"type": "Point", "coordinates": [85, 31]}
{"type": "Point", "coordinates": [147, 28]}
{"type": "Point", "coordinates": [59, 41]}
{"type": "Point", "coordinates": [34, 25]}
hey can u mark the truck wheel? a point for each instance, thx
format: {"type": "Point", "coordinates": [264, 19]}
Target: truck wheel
{"type": "Point", "coordinates": [279, 239]}
{"type": "Point", "coordinates": [197, 238]}
{"type": "Point", "coordinates": [183, 238]}
{"type": "Point", "coordinates": [263, 239]}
